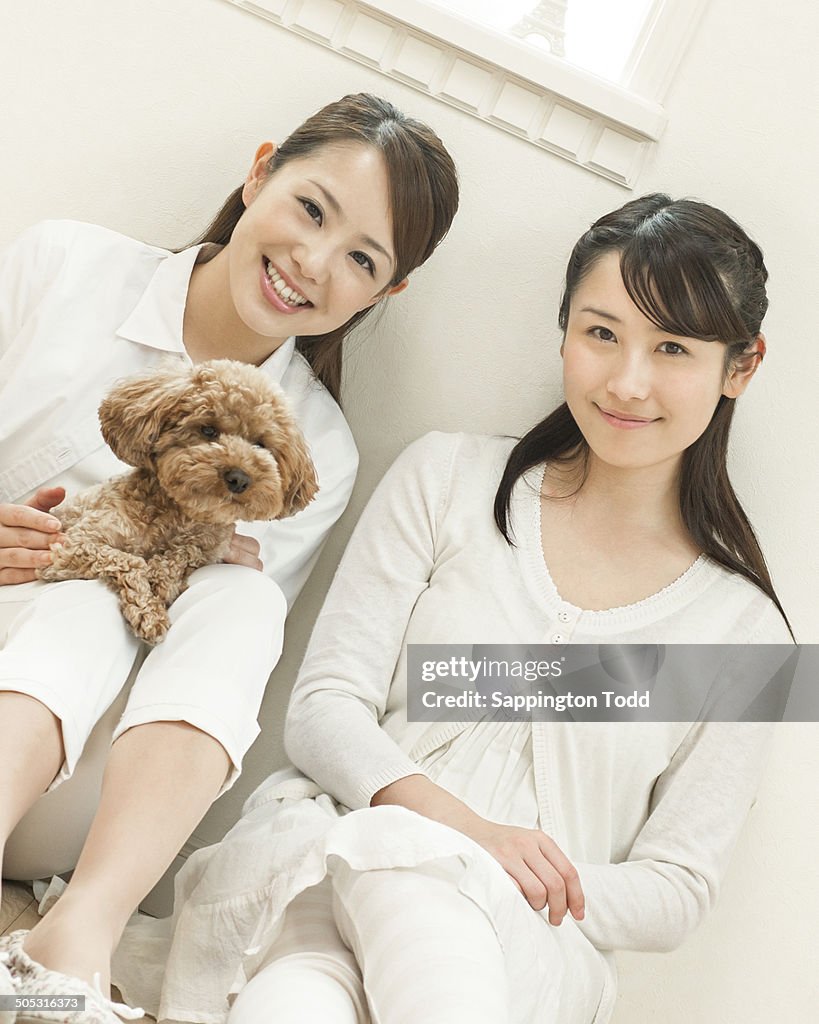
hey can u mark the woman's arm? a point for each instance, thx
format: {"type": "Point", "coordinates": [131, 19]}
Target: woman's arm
{"type": "Point", "coordinates": [27, 267]}
{"type": "Point", "coordinates": [332, 730]}
{"type": "Point", "coordinates": [671, 878]}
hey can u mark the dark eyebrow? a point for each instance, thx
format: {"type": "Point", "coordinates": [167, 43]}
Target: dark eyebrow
{"type": "Point", "coordinates": [334, 203]}
{"type": "Point", "coordinates": [600, 312]}
{"type": "Point", "coordinates": [616, 320]}
{"type": "Point", "coordinates": [331, 199]}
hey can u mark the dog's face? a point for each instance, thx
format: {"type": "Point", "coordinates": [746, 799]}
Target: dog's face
{"type": "Point", "coordinates": [219, 437]}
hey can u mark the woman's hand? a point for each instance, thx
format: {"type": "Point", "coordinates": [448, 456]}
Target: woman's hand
{"type": "Point", "coordinates": [536, 865]}
{"type": "Point", "coordinates": [534, 862]}
{"type": "Point", "coordinates": [244, 551]}
{"type": "Point", "coordinates": [26, 531]}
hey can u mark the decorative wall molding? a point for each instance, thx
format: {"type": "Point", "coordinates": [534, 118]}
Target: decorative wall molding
{"type": "Point", "coordinates": [577, 116]}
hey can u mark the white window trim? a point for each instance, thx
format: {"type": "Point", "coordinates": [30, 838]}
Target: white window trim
{"type": "Point", "coordinates": [603, 127]}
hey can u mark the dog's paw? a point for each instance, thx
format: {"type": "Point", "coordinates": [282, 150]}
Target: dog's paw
{"type": "Point", "coordinates": [153, 630]}
{"type": "Point", "coordinates": [149, 623]}
{"type": "Point", "coordinates": [61, 567]}
{"type": "Point", "coordinates": [48, 573]}
{"type": "Point", "coordinates": [165, 585]}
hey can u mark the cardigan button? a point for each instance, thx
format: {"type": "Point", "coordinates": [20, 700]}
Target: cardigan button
{"type": "Point", "coordinates": [558, 638]}
{"type": "Point", "coordinates": [565, 616]}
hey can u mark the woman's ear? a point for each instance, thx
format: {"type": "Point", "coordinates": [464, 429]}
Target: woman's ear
{"type": "Point", "coordinates": [396, 288]}
{"type": "Point", "coordinates": [258, 173]}
{"type": "Point", "coordinates": [744, 367]}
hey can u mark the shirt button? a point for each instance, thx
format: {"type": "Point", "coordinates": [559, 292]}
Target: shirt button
{"type": "Point", "coordinates": [565, 616]}
{"type": "Point", "coordinates": [558, 638]}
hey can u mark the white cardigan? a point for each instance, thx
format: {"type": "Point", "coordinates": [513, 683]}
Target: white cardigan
{"type": "Point", "coordinates": [648, 812]}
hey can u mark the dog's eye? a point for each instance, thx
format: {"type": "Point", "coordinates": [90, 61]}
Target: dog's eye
{"type": "Point", "coordinates": [259, 444]}
{"type": "Point", "coordinates": [208, 431]}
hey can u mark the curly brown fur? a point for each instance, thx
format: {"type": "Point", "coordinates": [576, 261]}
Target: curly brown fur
{"type": "Point", "coordinates": [212, 445]}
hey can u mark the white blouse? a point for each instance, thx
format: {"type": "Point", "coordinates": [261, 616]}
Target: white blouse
{"type": "Point", "coordinates": [80, 308]}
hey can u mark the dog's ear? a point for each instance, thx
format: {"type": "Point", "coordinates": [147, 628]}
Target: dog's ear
{"type": "Point", "coordinates": [133, 413]}
{"type": "Point", "coordinates": [299, 482]}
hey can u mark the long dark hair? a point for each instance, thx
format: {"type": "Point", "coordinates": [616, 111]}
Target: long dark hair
{"type": "Point", "coordinates": [423, 189]}
{"type": "Point", "coordinates": [695, 273]}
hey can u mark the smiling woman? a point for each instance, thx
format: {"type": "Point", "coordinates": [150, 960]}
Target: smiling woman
{"type": "Point", "coordinates": [661, 313]}
{"type": "Point", "coordinates": [296, 262]}
{"type": "Point", "coordinates": [324, 227]}
{"type": "Point", "coordinates": [363, 194]}
{"type": "Point", "coordinates": [622, 370]}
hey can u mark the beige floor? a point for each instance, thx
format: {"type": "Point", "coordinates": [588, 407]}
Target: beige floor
{"type": "Point", "coordinates": [19, 910]}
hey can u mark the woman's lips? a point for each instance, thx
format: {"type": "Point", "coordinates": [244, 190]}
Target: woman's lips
{"type": "Point", "coordinates": [621, 421]}
{"type": "Point", "coordinates": [274, 298]}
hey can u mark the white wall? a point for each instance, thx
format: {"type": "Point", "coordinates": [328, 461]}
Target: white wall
{"type": "Point", "coordinates": [143, 115]}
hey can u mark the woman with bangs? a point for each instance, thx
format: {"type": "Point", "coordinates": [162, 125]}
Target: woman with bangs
{"type": "Point", "coordinates": [485, 872]}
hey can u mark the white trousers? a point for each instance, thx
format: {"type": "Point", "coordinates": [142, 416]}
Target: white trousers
{"type": "Point", "coordinates": [67, 645]}
{"type": "Point", "coordinates": [398, 946]}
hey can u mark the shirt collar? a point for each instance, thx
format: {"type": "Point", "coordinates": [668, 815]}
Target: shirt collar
{"type": "Point", "coordinates": [156, 320]}
{"type": "Point", "coordinates": [278, 361]}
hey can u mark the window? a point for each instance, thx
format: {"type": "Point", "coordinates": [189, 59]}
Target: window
{"type": "Point", "coordinates": [598, 35]}
{"type": "Point", "coordinates": [583, 79]}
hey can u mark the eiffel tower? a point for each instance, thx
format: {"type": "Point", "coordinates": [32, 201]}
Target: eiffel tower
{"type": "Point", "coordinates": [547, 19]}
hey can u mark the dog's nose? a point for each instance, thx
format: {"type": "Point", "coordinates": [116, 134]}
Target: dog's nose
{"type": "Point", "coordinates": [237, 480]}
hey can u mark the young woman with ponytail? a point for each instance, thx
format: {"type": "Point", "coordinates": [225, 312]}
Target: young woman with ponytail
{"type": "Point", "coordinates": [690, 271]}
{"type": "Point", "coordinates": [325, 227]}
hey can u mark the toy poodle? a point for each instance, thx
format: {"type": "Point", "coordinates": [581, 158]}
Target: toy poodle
{"type": "Point", "coordinates": [212, 444]}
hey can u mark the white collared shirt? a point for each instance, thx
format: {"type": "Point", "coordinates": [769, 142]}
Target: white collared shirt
{"type": "Point", "coordinates": [82, 307]}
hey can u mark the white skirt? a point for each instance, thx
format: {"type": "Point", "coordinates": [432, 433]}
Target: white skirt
{"type": "Point", "coordinates": [231, 898]}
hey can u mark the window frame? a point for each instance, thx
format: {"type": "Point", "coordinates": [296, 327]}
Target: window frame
{"type": "Point", "coordinates": [606, 127]}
